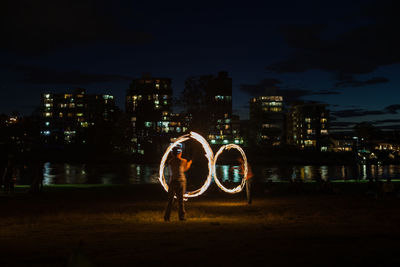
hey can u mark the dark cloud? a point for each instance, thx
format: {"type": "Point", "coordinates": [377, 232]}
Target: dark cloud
{"type": "Point", "coordinates": [359, 50]}
{"type": "Point", "coordinates": [351, 82]}
{"type": "Point", "coordinates": [33, 27]}
{"type": "Point", "coordinates": [264, 87]}
{"type": "Point", "coordinates": [387, 121]}
{"type": "Point", "coordinates": [347, 113]}
{"type": "Point", "coordinates": [357, 112]}
{"type": "Point", "coordinates": [341, 124]}
{"type": "Point", "coordinates": [392, 109]}
{"type": "Point", "coordinates": [39, 75]}
{"type": "Point", "coordinates": [273, 87]}
{"type": "Point", "coordinates": [389, 127]}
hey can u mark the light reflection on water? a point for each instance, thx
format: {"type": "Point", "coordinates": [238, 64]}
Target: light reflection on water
{"type": "Point", "coordinates": [74, 173]}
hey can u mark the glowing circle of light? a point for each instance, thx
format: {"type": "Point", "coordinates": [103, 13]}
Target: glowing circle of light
{"type": "Point", "coordinates": [208, 154]}
{"type": "Point", "coordinates": [219, 184]}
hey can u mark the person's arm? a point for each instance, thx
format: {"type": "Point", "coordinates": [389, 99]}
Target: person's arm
{"type": "Point", "coordinates": [188, 164]}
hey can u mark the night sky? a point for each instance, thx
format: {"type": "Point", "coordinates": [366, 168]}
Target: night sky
{"type": "Point", "coordinates": [342, 53]}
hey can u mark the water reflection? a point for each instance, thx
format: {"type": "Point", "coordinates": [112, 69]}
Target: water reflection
{"type": "Point", "coordinates": [69, 173]}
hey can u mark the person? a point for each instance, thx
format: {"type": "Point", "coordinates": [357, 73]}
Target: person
{"type": "Point", "coordinates": [8, 177]}
{"type": "Point", "coordinates": [37, 177]}
{"type": "Point", "coordinates": [249, 181]}
{"type": "Point", "coordinates": [177, 183]}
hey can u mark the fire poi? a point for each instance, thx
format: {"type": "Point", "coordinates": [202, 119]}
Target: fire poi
{"type": "Point", "coordinates": [208, 154]}
{"type": "Point", "coordinates": [211, 164]}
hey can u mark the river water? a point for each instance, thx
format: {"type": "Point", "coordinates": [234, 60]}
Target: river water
{"type": "Point", "coordinates": [125, 173]}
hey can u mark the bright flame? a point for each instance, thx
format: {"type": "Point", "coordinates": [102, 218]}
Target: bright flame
{"type": "Point", "coordinates": [220, 185]}
{"type": "Point", "coordinates": [209, 155]}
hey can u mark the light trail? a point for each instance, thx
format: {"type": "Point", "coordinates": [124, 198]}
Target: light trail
{"type": "Point", "coordinates": [208, 154]}
{"type": "Point", "coordinates": [242, 184]}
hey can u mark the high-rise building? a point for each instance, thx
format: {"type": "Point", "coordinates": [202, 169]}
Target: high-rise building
{"type": "Point", "coordinates": [149, 108]}
{"type": "Point", "coordinates": [266, 120]}
{"type": "Point", "coordinates": [308, 127]}
{"type": "Point", "coordinates": [66, 117]}
{"type": "Point", "coordinates": [224, 125]}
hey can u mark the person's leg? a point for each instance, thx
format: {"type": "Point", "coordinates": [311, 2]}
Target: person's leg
{"type": "Point", "coordinates": [248, 191]}
{"type": "Point", "coordinates": [171, 193]}
{"type": "Point", "coordinates": [180, 192]}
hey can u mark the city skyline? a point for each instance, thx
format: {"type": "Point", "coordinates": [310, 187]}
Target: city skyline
{"type": "Point", "coordinates": [337, 53]}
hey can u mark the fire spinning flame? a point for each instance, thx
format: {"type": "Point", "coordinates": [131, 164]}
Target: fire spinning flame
{"type": "Point", "coordinates": [242, 184]}
{"type": "Point", "coordinates": [209, 155]}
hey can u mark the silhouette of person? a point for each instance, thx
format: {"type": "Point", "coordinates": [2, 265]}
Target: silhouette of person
{"type": "Point", "coordinates": [177, 183]}
{"type": "Point", "coordinates": [249, 181]}
{"type": "Point", "coordinates": [37, 177]}
{"type": "Point", "coordinates": [8, 177]}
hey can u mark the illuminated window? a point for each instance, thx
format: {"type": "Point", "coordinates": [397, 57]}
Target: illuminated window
{"type": "Point", "coordinates": [47, 96]}
{"type": "Point", "coordinates": [67, 96]}
{"type": "Point", "coordinates": [324, 131]}
{"type": "Point", "coordinates": [47, 114]}
{"type": "Point", "coordinates": [157, 86]}
{"type": "Point", "coordinates": [310, 142]}
{"type": "Point", "coordinates": [79, 96]}
{"type": "Point", "coordinates": [323, 120]}
{"type": "Point", "coordinates": [307, 120]}
{"type": "Point", "coordinates": [47, 123]}
{"type": "Point", "coordinates": [63, 105]}
{"type": "Point", "coordinates": [274, 109]}
{"type": "Point", "coordinates": [79, 114]}
{"type": "Point", "coordinates": [148, 124]}
{"type": "Point", "coordinates": [47, 105]}
{"type": "Point", "coordinates": [72, 105]}
{"type": "Point", "coordinates": [84, 124]}
{"type": "Point", "coordinates": [60, 115]}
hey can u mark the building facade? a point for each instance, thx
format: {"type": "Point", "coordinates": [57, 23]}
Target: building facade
{"type": "Point", "coordinates": [149, 110]}
{"type": "Point", "coordinates": [266, 120]}
{"type": "Point", "coordinates": [67, 117]}
{"type": "Point", "coordinates": [308, 126]}
{"type": "Point", "coordinates": [225, 126]}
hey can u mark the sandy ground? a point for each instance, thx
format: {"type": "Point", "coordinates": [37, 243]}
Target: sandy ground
{"type": "Point", "coordinates": [123, 226]}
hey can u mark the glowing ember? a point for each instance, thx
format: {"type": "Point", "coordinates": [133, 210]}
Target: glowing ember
{"type": "Point", "coordinates": [209, 155]}
{"type": "Point", "coordinates": [239, 187]}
